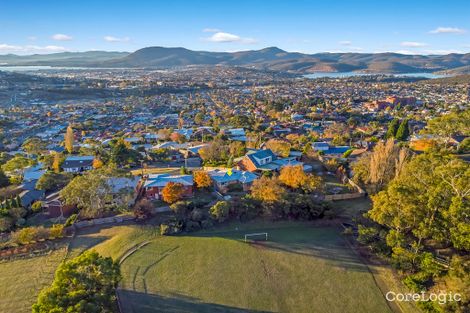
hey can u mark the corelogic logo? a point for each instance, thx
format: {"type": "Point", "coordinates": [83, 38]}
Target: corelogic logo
{"type": "Point", "coordinates": [441, 297]}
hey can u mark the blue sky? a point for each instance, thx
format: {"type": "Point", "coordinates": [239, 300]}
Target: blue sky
{"type": "Point", "coordinates": [414, 27]}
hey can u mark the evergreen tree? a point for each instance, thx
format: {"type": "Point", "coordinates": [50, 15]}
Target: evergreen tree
{"type": "Point", "coordinates": [69, 139]}
{"type": "Point", "coordinates": [4, 181]}
{"type": "Point", "coordinates": [18, 202]}
{"type": "Point", "coordinates": [403, 131]}
{"type": "Point", "coordinates": [8, 204]}
{"type": "Point", "coordinates": [392, 128]}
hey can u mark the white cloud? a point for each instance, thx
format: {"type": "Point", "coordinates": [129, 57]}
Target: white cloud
{"type": "Point", "coordinates": [413, 44]}
{"type": "Point", "coordinates": [61, 37]}
{"type": "Point", "coordinates": [222, 37]}
{"type": "Point", "coordinates": [211, 30]}
{"type": "Point", "coordinates": [448, 30]}
{"type": "Point", "coordinates": [116, 39]}
{"type": "Point", "coordinates": [401, 52]}
{"type": "Point", "coordinates": [6, 48]}
{"type": "Point", "coordinates": [442, 51]}
{"type": "Point", "coordinates": [345, 43]}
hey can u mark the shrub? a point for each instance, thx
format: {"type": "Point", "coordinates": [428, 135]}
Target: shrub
{"type": "Point", "coordinates": [205, 224]}
{"type": "Point", "coordinates": [192, 226]}
{"type": "Point", "coordinates": [56, 231]}
{"type": "Point", "coordinates": [197, 215]}
{"type": "Point", "coordinates": [6, 223]}
{"type": "Point", "coordinates": [165, 229]}
{"type": "Point", "coordinates": [180, 208]}
{"type": "Point", "coordinates": [220, 211]}
{"type": "Point", "coordinates": [171, 228]}
{"type": "Point", "coordinates": [143, 209]}
{"type": "Point", "coordinates": [36, 206]}
{"type": "Point", "coordinates": [24, 235]}
{"type": "Point", "coordinates": [69, 222]}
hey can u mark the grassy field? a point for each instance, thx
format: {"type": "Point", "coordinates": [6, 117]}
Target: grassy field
{"type": "Point", "coordinates": [22, 280]}
{"type": "Point", "coordinates": [301, 267]}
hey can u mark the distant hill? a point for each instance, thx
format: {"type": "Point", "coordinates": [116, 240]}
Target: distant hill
{"type": "Point", "coordinates": [271, 58]}
{"type": "Point", "coordinates": [84, 59]}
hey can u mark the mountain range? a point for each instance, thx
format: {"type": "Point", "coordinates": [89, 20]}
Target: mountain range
{"type": "Point", "coordinates": [271, 58]}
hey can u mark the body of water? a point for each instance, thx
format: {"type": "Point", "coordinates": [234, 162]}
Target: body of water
{"type": "Point", "coordinates": [36, 68]}
{"type": "Point", "coordinates": [351, 74]}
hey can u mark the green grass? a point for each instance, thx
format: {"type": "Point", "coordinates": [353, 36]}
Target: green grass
{"type": "Point", "coordinates": [301, 267]}
{"type": "Point", "coordinates": [21, 280]}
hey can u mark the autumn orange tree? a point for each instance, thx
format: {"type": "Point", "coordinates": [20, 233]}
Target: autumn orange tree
{"type": "Point", "coordinates": [69, 139]}
{"type": "Point", "coordinates": [202, 179]}
{"type": "Point", "coordinates": [97, 163]}
{"type": "Point", "coordinates": [268, 189]}
{"type": "Point", "coordinates": [172, 192]}
{"type": "Point", "coordinates": [279, 147]}
{"type": "Point", "coordinates": [295, 178]}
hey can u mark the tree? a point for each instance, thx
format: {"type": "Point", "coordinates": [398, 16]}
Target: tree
{"type": "Point", "coordinates": [180, 208]}
{"type": "Point", "coordinates": [202, 179]}
{"type": "Point", "coordinates": [86, 283]}
{"type": "Point", "coordinates": [143, 209]}
{"type": "Point", "coordinates": [378, 168]}
{"type": "Point", "coordinates": [19, 162]}
{"type": "Point", "coordinates": [220, 211]}
{"type": "Point", "coordinates": [172, 192]}
{"type": "Point", "coordinates": [427, 201]}
{"type": "Point", "coordinates": [403, 131]}
{"type": "Point", "coordinates": [177, 137]}
{"type": "Point", "coordinates": [69, 139]}
{"type": "Point", "coordinates": [164, 134]}
{"type": "Point", "coordinates": [89, 192]}
{"type": "Point", "coordinates": [450, 124]}
{"type": "Point", "coordinates": [122, 153]}
{"type": "Point", "coordinates": [56, 163]}
{"type": "Point", "coordinates": [237, 149]}
{"type": "Point", "coordinates": [293, 176]}
{"type": "Point", "coordinates": [199, 118]}
{"type": "Point", "coordinates": [392, 128]}
{"type": "Point", "coordinates": [216, 152]}
{"type": "Point", "coordinates": [267, 190]}
{"type": "Point", "coordinates": [97, 163]}
{"type": "Point", "coordinates": [34, 145]}
{"type": "Point", "coordinates": [279, 147]}
{"type": "Point", "coordinates": [52, 181]}
{"type": "Point", "coordinates": [4, 181]}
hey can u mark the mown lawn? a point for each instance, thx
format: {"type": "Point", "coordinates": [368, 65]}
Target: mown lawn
{"type": "Point", "coordinates": [22, 280]}
{"type": "Point", "coordinates": [302, 268]}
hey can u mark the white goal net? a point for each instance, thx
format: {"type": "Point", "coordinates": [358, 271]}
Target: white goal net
{"type": "Point", "coordinates": [256, 237]}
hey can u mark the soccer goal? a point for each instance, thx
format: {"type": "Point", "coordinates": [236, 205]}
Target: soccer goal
{"type": "Point", "coordinates": [256, 236]}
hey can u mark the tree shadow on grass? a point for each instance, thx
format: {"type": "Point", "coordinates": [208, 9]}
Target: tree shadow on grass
{"type": "Point", "coordinates": [320, 242]}
{"type": "Point", "coordinates": [138, 302]}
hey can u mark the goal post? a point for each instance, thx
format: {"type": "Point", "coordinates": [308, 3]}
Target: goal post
{"type": "Point", "coordinates": [256, 235]}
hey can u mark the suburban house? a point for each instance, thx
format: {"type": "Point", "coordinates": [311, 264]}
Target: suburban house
{"type": "Point", "coordinates": [325, 148]}
{"type": "Point", "coordinates": [236, 134]}
{"type": "Point", "coordinates": [124, 188]}
{"type": "Point", "coordinates": [265, 160]}
{"type": "Point", "coordinates": [29, 193]}
{"type": "Point", "coordinates": [56, 207]}
{"type": "Point", "coordinates": [33, 172]}
{"type": "Point", "coordinates": [227, 178]}
{"type": "Point", "coordinates": [78, 164]}
{"type": "Point", "coordinates": [152, 186]}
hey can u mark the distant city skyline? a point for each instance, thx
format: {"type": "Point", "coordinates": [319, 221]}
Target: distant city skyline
{"type": "Point", "coordinates": [409, 27]}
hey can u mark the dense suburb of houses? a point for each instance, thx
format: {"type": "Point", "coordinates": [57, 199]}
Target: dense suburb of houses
{"type": "Point", "coordinates": [205, 146]}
